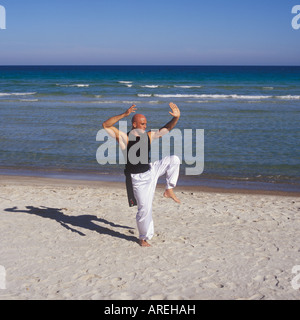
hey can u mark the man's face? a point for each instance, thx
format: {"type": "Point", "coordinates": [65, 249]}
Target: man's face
{"type": "Point", "coordinates": [140, 123]}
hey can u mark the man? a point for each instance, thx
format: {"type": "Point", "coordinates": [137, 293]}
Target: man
{"type": "Point", "coordinates": [142, 174]}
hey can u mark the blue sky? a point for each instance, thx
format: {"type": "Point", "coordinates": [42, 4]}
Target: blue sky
{"type": "Point", "coordinates": [140, 32]}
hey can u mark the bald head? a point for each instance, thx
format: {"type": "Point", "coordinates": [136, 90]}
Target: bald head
{"type": "Point", "coordinates": [137, 117]}
{"type": "Point", "coordinates": [139, 121]}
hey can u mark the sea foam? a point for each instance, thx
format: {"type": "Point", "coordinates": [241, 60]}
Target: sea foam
{"type": "Point", "coordinates": [4, 94]}
{"type": "Point", "coordinates": [150, 86]}
{"type": "Point", "coordinates": [187, 87]}
{"type": "Point", "coordinates": [79, 85]}
{"type": "Point", "coordinates": [289, 97]}
{"type": "Point", "coordinates": [212, 96]}
{"type": "Point", "coordinates": [143, 95]}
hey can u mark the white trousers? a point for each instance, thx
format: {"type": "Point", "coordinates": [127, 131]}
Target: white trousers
{"type": "Point", "coordinates": [144, 185]}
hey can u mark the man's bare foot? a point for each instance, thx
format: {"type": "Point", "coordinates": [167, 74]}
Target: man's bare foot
{"type": "Point", "coordinates": [144, 243]}
{"type": "Point", "coordinates": [169, 193]}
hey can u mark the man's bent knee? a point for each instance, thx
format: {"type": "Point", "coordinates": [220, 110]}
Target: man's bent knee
{"type": "Point", "coordinates": [175, 159]}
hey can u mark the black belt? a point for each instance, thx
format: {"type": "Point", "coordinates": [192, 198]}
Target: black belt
{"type": "Point", "coordinates": [129, 188]}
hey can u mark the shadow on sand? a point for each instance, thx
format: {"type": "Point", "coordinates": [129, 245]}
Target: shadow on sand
{"type": "Point", "coordinates": [83, 221]}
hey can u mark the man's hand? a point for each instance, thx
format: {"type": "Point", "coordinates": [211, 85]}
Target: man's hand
{"type": "Point", "coordinates": [175, 110]}
{"type": "Point", "coordinates": [130, 110]}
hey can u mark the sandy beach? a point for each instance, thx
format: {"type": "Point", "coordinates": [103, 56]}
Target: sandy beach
{"type": "Point", "coordinates": [64, 239]}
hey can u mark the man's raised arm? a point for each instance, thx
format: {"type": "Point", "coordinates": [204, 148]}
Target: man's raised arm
{"type": "Point", "coordinates": [120, 136]}
{"type": "Point", "coordinates": [170, 125]}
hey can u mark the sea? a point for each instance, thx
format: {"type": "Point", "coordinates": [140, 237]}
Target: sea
{"type": "Point", "coordinates": [249, 116]}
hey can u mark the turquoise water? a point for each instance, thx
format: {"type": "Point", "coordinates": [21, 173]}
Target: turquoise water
{"type": "Point", "coordinates": [50, 116]}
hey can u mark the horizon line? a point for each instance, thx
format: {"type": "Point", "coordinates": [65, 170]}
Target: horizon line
{"type": "Point", "coordinates": [149, 65]}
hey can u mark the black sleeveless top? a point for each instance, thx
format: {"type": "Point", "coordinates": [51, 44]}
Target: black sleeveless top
{"type": "Point", "coordinates": [135, 161]}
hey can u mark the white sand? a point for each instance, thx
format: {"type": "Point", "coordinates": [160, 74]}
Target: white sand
{"type": "Point", "coordinates": [76, 240]}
